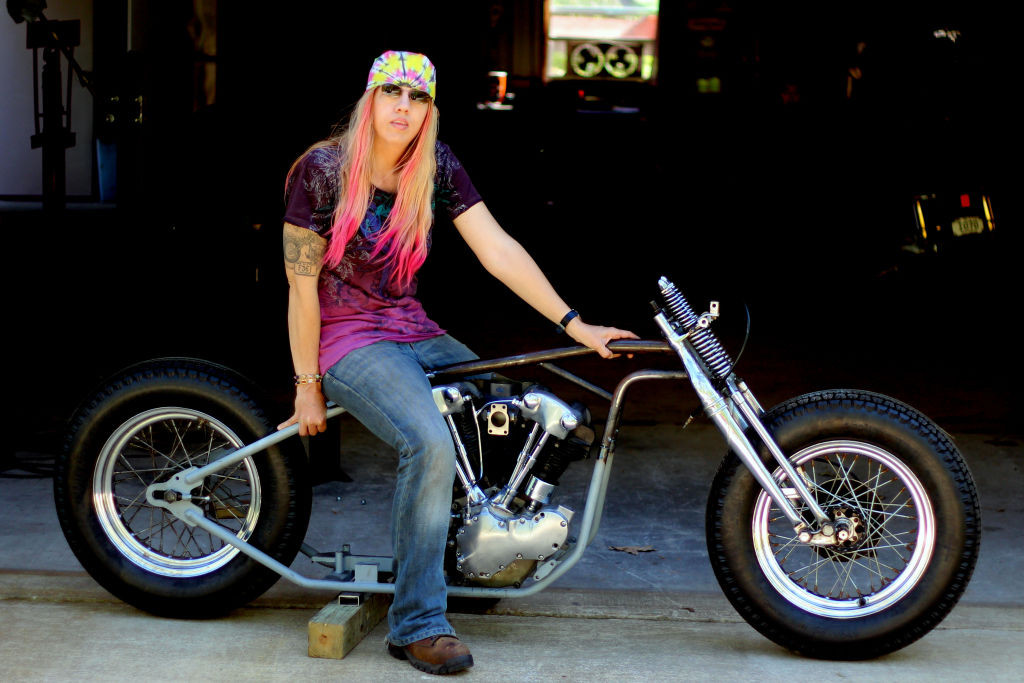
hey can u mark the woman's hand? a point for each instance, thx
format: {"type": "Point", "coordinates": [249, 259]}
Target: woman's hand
{"type": "Point", "coordinates": [596, 336]}
{"type": "Point", "coordinates": [310, 411]}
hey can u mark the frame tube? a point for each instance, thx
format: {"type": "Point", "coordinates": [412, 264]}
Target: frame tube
{"type": "Point", "coordinates": [592, 510]}
{"type": "Point", "coordinates": [194, 477]}
{"type": "Point", "coordinates": [611, 431]}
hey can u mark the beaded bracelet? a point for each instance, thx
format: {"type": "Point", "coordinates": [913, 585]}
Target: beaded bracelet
{"type": "Point", "coordinates": [308, 378]}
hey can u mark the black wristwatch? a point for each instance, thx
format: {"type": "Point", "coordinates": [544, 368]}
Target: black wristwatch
{"type": "Point", "coordinates": [568, 318]}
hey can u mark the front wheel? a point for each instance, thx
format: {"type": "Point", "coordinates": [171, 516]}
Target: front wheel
{"type": "Point", "coordinates": [899, 490]}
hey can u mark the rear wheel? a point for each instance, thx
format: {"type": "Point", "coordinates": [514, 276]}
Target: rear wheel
{"type": "Point", "coordinates": [143, 427]}
{"type": "Point", "coordinates": [905, 509]}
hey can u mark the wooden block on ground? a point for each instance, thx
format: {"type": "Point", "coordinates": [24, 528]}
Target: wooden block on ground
{"type": "Point", "coordinates": [338, 628]}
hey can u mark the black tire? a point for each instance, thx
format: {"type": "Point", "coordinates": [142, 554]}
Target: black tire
{"type": "Point", "coordinates": [923, 523]}
{"type": "Point", "coordinates": [138, 429]}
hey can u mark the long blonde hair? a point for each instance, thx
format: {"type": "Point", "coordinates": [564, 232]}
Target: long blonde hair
{"type": "Point", "coordinates": [403, 237]}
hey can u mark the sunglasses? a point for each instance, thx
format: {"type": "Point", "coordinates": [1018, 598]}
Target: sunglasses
{"type": "Point", "coordinates": [392, 90]}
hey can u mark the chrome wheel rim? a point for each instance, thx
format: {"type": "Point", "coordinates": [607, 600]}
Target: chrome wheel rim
{"type": "Point", "coordinates": [151, 447]}
{"type": "Point", "coordinates": [896, 532]}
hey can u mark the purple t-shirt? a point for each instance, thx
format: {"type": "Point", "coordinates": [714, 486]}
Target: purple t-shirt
{"type": "Point", "coordinates": [359, 304]}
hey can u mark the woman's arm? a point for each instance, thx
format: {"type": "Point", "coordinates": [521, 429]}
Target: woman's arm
{"type": "Point", "coordinates": [505, 259]}
{"type": "Point", "coordinates": [303, 258]}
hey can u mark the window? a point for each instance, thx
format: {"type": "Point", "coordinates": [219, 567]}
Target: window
{"type": "Point", "coordinates": [601, 39]}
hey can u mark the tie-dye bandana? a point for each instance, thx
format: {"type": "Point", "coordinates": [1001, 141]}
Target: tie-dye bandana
{"type": "Point", "coordinates": [404, 68]}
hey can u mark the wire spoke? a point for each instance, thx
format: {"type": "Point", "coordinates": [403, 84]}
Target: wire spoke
{"type": "Point", "coordinates": [147, 533]}
{"type": "Point", "coordinates": [230, 509]}
{"type": "Point", "coordinates": [132, 501]}
{"type": "Point", "coordinates": [152, 450]}
{"type": "Point", "coordinates": [878, 530]}
{"type": "Point", "coordinates": [820, 562]}
{"type": "Point", "coordinates": [192, 539]}
{"type": "Point", "coordinates": [228, 494]}
{"type": "Point", "coordinates": [841, 578]}
{"type": "Point", "coordinates": [180, 441]}
{"type": "Point", "coordinates": [225, 477]}
{"type": "Point", "coordinates": [131, 470]}
{"type": "Point", "coordinates": [182, 543]}
{"type": "Point", "coordinates": [845, 476]}
{"type": "Point", "coordinates": [133, 512]}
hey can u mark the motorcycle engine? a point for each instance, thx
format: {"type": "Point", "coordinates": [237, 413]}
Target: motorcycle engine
{"type": "Point", "coordinates": [516, 441]}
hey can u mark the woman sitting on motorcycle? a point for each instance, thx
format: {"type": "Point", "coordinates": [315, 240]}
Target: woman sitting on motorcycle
{"type": "Point", "coordinates": [357, 228]}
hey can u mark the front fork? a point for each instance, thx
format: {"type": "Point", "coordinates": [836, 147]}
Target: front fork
{"type": "Point", "coordinates": [735, 411]}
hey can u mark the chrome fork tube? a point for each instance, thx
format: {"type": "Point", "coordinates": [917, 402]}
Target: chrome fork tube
{"type": "Point", "coordinates": [797, 482]}
{"type": "Point", "coordinates": [716, 408]}
{"type": "Point", "coordinates": [745, 392]}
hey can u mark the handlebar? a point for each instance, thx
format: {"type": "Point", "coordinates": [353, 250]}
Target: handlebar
{"type": "Point", "coordinates": [536, 357]}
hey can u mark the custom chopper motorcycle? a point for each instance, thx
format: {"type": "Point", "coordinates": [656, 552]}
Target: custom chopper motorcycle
{"type": "Point", "coordinates": [841, 524]}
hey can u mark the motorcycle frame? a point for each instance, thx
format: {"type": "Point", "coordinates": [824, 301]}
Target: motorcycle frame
{"type": "Point", "coordinates": [734, 411]}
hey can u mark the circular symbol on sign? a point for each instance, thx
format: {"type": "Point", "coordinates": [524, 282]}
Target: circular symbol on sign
{"type": "Point", "coordinates": [586, 60]}
{"type": "Point", "coordinates": [621, 61]}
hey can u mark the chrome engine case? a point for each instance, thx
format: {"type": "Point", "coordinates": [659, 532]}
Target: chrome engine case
{"type": "Point", "coordinates": [498, 548]}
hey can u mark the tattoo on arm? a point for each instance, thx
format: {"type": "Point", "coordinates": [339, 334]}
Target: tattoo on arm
{"type": "Point", "coordinates": [303, 251]}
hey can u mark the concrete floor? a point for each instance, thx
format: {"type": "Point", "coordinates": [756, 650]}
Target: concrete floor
{"type": "Point", "coordinates": [109, 641]}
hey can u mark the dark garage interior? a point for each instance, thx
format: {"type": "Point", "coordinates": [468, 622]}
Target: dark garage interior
{"type": "Point", "coordinates": [751, 168]}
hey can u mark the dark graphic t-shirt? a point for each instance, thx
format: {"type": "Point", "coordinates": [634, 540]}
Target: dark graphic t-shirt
{"type": "Point", "coordinates": [359, 303]}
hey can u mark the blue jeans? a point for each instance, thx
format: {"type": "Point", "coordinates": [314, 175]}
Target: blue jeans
{"type": "Point", "coordinates": [385, 387]}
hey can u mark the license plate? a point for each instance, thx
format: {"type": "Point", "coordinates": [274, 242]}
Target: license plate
{"type": "Point", "coordinates": [968, 225]}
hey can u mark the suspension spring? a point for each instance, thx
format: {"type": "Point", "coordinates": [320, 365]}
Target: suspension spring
{"type": "Point", "coordinates": [703, 340]}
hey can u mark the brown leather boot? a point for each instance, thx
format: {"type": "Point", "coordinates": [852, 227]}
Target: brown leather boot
{"type": "Point", "coordinates": [435, 655]}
